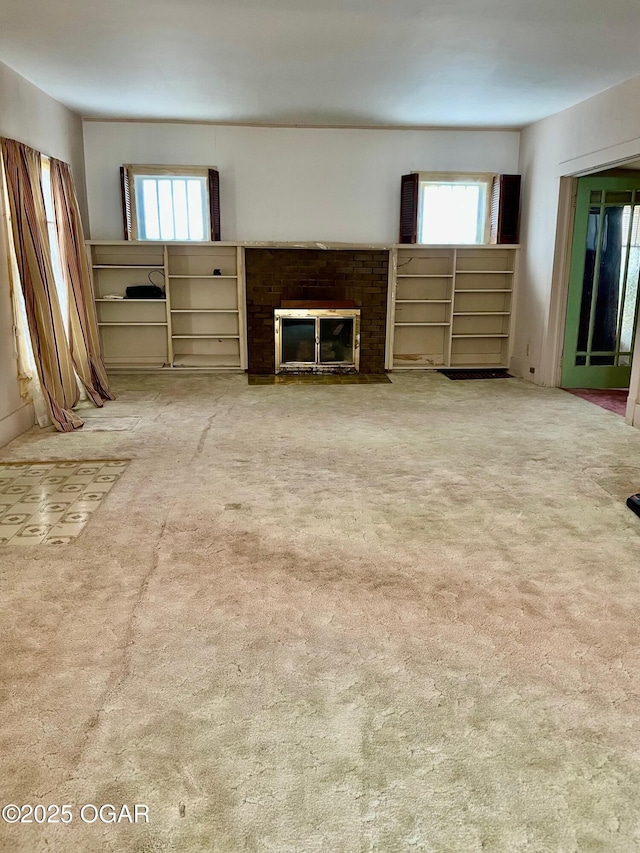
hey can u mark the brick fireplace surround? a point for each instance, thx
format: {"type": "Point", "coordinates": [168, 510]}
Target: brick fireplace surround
{"type": "Point", "coordinates": [274, 275]}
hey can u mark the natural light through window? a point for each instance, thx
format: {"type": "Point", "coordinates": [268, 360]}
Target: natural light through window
{"type": "Point", "coordinates": [453, 211]}
{"type": "Point", "coordinates": [172, 207]}
{"type": "Point", "coordinates": [629, 276]}
{"type": "Point", "coordinates": [61, 286]}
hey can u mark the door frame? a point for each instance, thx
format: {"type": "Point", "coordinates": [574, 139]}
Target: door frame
{"type": "Point", "coordinates": [561, 275]}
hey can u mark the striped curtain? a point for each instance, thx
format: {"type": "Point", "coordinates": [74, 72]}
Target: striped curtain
{"type": "Point", "coordinates": [84, 340]}
{"type": "Point", "coordinates": [33, 255]}
{"type": "Point", "coordinates": [21, 345]}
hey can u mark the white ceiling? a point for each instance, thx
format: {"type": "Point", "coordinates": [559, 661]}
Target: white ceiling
{"type": "Point", "coordinates": [337, 62]}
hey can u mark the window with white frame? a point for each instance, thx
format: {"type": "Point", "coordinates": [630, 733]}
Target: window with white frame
{"type": "Point", "coordinates": [171, 203]}
{"type": "Point", "coordinates": [454, 208]}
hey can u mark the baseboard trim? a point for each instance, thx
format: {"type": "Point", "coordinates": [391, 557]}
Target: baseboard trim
{"type": "Point", "coordinates": [14, 424]}
{"type": "Point", "coordinates": [633, 414]}
{"type": "Point", "coordinates": [516, 366]}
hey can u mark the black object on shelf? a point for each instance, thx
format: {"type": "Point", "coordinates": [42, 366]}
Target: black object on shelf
{"type": "Point", "coordinates": [144, 291]}
{"type": "Point", "coordinates": [634, 503]}
{"type": "Point", "coordinates": [217, 271]}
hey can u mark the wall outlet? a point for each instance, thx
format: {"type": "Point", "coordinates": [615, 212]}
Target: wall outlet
{"type": "Point", "coordinates": [532, 370]}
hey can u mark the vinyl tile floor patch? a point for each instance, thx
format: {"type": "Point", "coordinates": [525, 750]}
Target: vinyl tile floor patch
{"type": "Point", "coordinates": [49, 503]}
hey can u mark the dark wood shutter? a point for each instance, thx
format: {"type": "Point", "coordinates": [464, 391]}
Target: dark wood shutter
{"type": "Point", "coordinates": [214, 203]}
{"type": "Point", "coordinates": [126, 203]}
{"type": "Point", "coordinates": [409, 208]}
{"type": "Point", "coordinates": [505, 209]}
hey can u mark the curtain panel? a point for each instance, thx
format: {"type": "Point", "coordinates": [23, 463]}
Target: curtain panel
{"type": "Point", "coordinates": [23, 168]}
{"type": "Point", "coordinates": [84, 340]}
{"type": "Point", "coordinates": [21, 347]}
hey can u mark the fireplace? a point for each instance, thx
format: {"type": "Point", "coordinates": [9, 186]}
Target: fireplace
{"type": "Point", "coordinates": [312, 278]}
{"type": "Point", "coordinates": [317, 340]}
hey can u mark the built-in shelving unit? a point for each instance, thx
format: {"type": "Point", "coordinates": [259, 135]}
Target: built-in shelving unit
{"type": "Point", "coordinates": [199, 324]}
{"type": "Point", "coordinates": [134, 332]}
{"type": "Point", "coordinates": [206, 308]}
{"type": "Point", "coordinates": [450, 306]}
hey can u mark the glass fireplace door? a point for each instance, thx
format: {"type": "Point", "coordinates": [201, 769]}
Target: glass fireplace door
{"type": "Point", "coordinates": [298, 340]}
{"type": "Point", "coordinates": [317, 340]}
{"type": "Point", "coordinates": [336, 340]}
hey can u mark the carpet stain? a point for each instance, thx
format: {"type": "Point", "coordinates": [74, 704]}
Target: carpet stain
{"type": "Point", "coordinates": [399, 622]}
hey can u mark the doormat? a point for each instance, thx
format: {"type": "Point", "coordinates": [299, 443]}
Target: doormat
{"type": "Point", "coordinates": [314, 379]}
{"type": "Point", "coordinates": [476, 374]}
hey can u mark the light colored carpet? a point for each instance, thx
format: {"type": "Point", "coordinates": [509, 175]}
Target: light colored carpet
{"type": "Point", "coordinates": [348, 619]}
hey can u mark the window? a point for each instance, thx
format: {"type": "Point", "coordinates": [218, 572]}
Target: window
{"type": "Point", "coordinates": [459, 208]}
{"type": "Point", "coordinates": [61, 285]}
{"type": "Point", "coordinates": [170, 203]}
{"type": "Point", "coordinates": [453, 208]}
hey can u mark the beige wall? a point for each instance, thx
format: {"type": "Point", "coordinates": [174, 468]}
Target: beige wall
{"type": "Point", "coordinates": [602, 131]}
{"type": "Point", "coordinates": [30, 116]}
{"type": "Point", "coordinates": [289, 183]}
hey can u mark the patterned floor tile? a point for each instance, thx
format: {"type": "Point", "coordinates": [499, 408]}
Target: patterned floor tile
{"type": "Point", "coordinates": [75, 516]}
{"type": "Point", "coordinates": [7, 531]}
{"type": "Point", "coordinates": [49, 518]}
{"type": "Point", "coordinates": [71, 488]}
{"type": "Point", "coordinates": [49, 503]}
{"type": "Point", "coordinates": [64, 497]}
{"type": "Point", "coordinates": [33, 530]}
{"type": "Point", "coordinates": [27, 541]}
{"type": "Point", "coordinates": [14, 490]}
{"type": "Point", "coordinates": [96, 486]}
{"type": "Point", "coordinates": [11, 518]}
{"type": "Point", "coordinates": [93, 497]}
{"type": "Point", "coordinates": [80, 479]}
{"type": "Point", "coordinates": [55, 506]}
{"type": "Point", "coordinates": [42, 490]}
{"type": "Point", "coordinates": [88, 470]}
{"type": "Point", "coordinates": [66, 529]}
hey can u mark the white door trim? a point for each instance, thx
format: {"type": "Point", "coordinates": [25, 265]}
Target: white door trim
{"type": "Point", "coordinates": [560, 278]}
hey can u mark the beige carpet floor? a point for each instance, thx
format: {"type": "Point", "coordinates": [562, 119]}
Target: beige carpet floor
{"type": "Point", "coordinates": [348, 619]}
